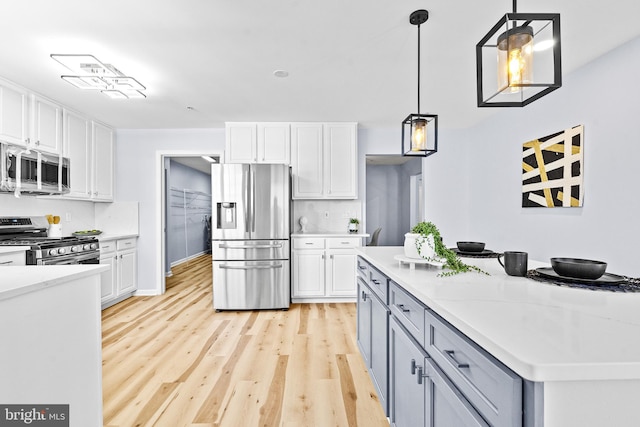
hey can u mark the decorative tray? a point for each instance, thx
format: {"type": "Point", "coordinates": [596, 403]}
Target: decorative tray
{"type": "Point", "coordinates": [484, 254]}
{"type": "Point", "coordinates": [413, 261]}
{"type": "Point", "coordinates": [86, 233]}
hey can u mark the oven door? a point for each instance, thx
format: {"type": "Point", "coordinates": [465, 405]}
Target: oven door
{"type": "Point", "coordinates": [71, 259]}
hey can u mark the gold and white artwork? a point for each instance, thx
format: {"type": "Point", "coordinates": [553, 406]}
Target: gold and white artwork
{"type": "Point", "coordinates": [552, 170]}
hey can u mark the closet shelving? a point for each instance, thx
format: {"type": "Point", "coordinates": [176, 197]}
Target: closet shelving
{"type": "Point", "coordinates": [195, 207]}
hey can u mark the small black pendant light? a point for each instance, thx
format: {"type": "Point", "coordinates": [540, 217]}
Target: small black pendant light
{"type": "Point", "coordinates": [527, 47]}
{"type": "Point", "coordinates": [419, 131]}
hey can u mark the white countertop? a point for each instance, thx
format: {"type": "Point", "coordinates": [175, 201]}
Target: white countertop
{"type": "Point", "coordinates": [329, 234]}
{"type": "Point", "coordinates": [541, 331]}
{"type": "Point", "coordinates": [109, 236]}
{"type": "Point", "coordinates": [20, 280]}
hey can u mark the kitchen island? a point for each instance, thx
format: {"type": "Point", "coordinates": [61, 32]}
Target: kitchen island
{"type": "Point", "coordinates": [50, 328]}
{"type": "Point", "coordinates": [579, 347]}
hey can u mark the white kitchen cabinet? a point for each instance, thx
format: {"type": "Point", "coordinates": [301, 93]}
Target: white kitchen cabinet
{"type": "Point", "coordinates": [90, 148]}
{"type": "Point", "coordinates": [103, 163]}
{"type": "Point", "coordinates": [257, 142]}
{"type": "Point", "coordinates": [46, 125]}
{"type": "Point", "coordinates": [13, 258]}
{"type": "Point", "coordinates": [324, 268]}
{"type": "Point", "coordinates": [77, 147]}
{"type": "Point", "coordinates": [14, 111]}
{"type": "Point", "coordinates": [121, 281]}
{"type": "Point", "coordinates": [324, 160]}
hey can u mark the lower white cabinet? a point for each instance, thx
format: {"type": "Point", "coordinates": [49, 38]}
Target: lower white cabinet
{"type": "Point", "coordinates": [121, 281]}
{"type": "Point", "coordinates": [324, 268]}
{"type": "Point", "coordinates": [13, 258]}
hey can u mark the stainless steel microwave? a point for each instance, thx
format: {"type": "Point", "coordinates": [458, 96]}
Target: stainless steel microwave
{"type": "Point", "coordinates": [32, 172]}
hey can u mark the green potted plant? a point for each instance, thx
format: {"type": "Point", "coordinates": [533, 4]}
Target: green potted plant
{"type": "Point", "coordinates": [425, 241]}
{"type": "Point", "coordinates": [353, 225]}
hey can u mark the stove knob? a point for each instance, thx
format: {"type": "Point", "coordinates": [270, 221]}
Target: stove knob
{"type": "Point", "coordinates": [62, 251]}
{"type": "Point", "coordinates": [74, 249]}
{"type": "Point", "coordinates": [53, 252]}
{"type": "Point", "coordinates": [86, 247]}
{"type": "Point", "coordinates": [94, 246]}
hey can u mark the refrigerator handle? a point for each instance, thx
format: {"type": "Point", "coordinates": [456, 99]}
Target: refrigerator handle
{"type": "Point", "coordinates": [250, 267]}
{"type": "Point", "coordinates": [247, 197]}
{"type": "Point", "coordinates": [253, 200]}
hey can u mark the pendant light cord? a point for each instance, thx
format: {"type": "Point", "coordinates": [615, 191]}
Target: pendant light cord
{"type": "Point", "coordinates": [419, 68]}
{"type": "Point", "coordinates": [515, 6]}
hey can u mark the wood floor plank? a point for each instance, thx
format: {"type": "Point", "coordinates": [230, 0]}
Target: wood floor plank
{"type": "Point", "coordinates": [171, 360]}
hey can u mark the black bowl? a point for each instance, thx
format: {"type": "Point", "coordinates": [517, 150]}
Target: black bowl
{"type": "Point", "coordinates": [578, 268]}
{"type": "Point", "coordinates": [470, 246]}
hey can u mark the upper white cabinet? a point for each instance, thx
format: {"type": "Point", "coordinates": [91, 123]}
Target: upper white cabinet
{"type": "Point", "coordinates": [90, 148]}
{"type": "Point", "coordinates": [46, 125]}
{"type": "Point", "coordinates": [14, 110]}
{"type": "Point", "coordinates": [324, 160]}
{"type": "Point", "coordinates": [253, 142]}
{"type": "Point", "coordinates": [77, 147]}
{"type": "Point", "coordinates": [103, 163]}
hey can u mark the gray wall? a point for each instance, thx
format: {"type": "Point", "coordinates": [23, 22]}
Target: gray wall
{"type": "Point", "coordinates": [602, 96]}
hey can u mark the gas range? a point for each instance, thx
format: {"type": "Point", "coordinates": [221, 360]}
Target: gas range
{"type": "Point", "coordinates": [32, 232]}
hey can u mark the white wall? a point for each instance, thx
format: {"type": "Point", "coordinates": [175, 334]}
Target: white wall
{"type": "Point", "coordinates": [138, 171]}
{"type": "Point", "coordinates": [485, 163]}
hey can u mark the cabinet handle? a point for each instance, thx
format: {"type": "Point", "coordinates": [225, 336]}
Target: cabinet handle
{"type": "Point", "coordinates": [459, 365]}
{"type": "Point", "coordinates": [421, 375]}
{"type": "Point", "coordinates": [401, 307]}
{"type": "Point", "coordinates": [362, 267]}
{"type": "Point", "coordinates": [364, 296]}
{"type": "Point", "coordinates": [6, 262]}
{"type": "Point", "coordinates": [375, 281]}
{"type": "Point", "coordinates": [308, 243]}
{"type": "Point", "coordinates": [413, 366]}
{"type": "Point", "coordinates": [331, 256]}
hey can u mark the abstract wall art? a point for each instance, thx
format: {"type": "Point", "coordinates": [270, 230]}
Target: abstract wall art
{"type": "Point", "coordinates": [552, 170]}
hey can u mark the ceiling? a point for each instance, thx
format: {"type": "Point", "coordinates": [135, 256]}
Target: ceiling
{"type": "Point", "coordinates": [205, 62]}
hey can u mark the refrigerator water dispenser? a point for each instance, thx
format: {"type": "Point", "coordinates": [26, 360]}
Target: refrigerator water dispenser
{"type": "Point", "coordinates": [226, 215]}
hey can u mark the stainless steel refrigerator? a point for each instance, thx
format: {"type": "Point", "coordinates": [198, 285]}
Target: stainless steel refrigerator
{"type": "Point", "coordinates": [250, 236]}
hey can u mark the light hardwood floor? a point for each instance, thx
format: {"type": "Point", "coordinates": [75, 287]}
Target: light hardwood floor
{"type": "Point", "coordinates": [170, 360]}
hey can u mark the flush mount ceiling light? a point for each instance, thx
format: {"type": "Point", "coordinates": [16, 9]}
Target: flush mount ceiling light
{"type": "Point", "coordinates": [92, 74]}
{"type": "Point", "coordinates": [419, 131]}
{"type": "Point", "coordinates": [527, 48]}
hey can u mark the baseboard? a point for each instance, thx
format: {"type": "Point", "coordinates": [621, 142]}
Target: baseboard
{"type": "Point", "coordinates": [322, 300]}
{"type": "Point", "coordinates": [183, 260]}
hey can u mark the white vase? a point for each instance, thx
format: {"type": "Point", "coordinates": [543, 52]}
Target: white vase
{"type": "Point", "coordinates": [426, 247]}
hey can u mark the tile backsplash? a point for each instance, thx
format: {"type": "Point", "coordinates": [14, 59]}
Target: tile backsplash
{"type": "Point", "coordinates": [326, 215]}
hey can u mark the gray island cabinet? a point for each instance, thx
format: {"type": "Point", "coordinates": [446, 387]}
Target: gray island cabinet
{"type": "Point", "coordinates": [495, 350]}
{"type": "Point", "coordinates": [401, 339]}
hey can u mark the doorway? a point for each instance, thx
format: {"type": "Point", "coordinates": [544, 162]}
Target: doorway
{"type": "Point", "coordinates": [394, 196]}
{"type": "Point", "coordinates": [186, 212]}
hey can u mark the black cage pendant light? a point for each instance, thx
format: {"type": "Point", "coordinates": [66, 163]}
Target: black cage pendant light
{"type": "Point", "coordinates": [518, 61]}
{"type": "Point", "coordinates": [419, 131]}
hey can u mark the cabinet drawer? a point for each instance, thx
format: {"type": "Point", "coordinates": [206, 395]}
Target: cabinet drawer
{"type": "Point", "coordinates": [13, 258]}
{"type": "Point", "coordinates": [126, 244]}
{"type": "Point", "coordinates": [107, 246]}
{"type": "Point", "coordinates": [343, 242]}
{"type": "Point", "coordinates": [492, 388]}
{"type": "Point", "coordinates": [379, 284]}
{"type": "Point", "coordinates": [363, 269]}
{"type": "Point", "coordinates": [308, 243]}
{"type": "Point", "coordinates": [410, 313]}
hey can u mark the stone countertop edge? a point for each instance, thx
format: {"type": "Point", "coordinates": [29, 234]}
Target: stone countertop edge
{"type": "Point", "coordinates": [329, 234]}
{"type": "Point", "coordinates": [20, 280]}
{"type": "Point", "coordinates": [543, 332]}
{"type": "Point", "coordinates": [108, 236]}
{"type": "Point", "coordinates": [9, 249]}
